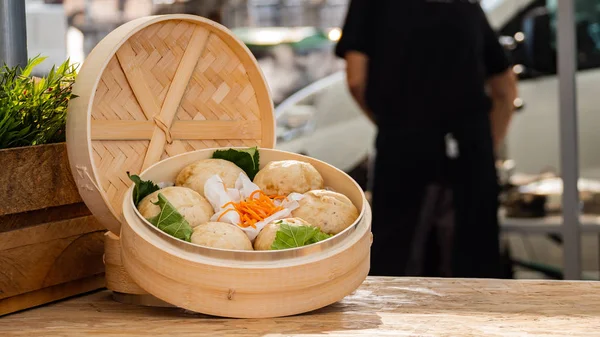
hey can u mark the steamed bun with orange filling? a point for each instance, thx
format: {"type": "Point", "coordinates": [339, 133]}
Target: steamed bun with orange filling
{"type": "Point", "coordinates": [332, 212]}
{"type": "Point", "coordinates": [195, 175]}
{"type": "Point", "coordinates": [191, 205]}
{"type": "Point", "coordinates": [221, 235]}
{"type": "Point", "coordinates": [267, 235]}
{"type": "Point", "coordinates": [288, 176]}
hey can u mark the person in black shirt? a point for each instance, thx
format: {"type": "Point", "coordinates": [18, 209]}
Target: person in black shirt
{"type": "Point", "coordinates": [430, 74]}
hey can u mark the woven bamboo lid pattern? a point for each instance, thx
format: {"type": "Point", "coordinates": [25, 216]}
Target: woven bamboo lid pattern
{"type": "Point", "coordinates": [154, 88]}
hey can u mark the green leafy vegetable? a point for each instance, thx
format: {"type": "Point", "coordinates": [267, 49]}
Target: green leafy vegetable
{"type": "Point", "coordinates": [320, 236]}
{"type": "Point", "coordinates": [170, 221]}
{"type": "Point", "coordinates": [33, 110]}
{"type": "Point", "coordinates": [248, 159]}
{"type": "Point", "coordinates": [142, 188]}
{"type": "Point", "coordinates": [289, 236]}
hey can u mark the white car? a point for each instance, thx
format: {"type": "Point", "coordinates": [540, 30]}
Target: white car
{"type": "Point", "coordinates": [533, 140]}
{"type": "Point", "coordinates": [324, 122]}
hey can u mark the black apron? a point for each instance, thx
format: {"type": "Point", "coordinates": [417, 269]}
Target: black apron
{"type": "Point", "coordinates": [433, 215]}
{"type": "Point", "coordinates": [436, 217]}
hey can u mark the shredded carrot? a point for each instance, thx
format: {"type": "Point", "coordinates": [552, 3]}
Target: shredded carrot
{"type": "Point", "coordinates": [277, 197]}
{"type": "Point", "coordinates": [254, 193]}
{"type": "Point", "coordinates": [228, 204]}
{"type": "Point", "coordinates": [254, 210]}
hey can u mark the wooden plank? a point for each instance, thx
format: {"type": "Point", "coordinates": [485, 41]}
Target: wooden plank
{"type": "Point", "coordinates": [380, 307]}
{"type": "Point", "coordinates": [36, 177]}
{"type": "Point", "coordinates": [188, 130]}
{"type": "Point", "coordinates": [51, 294]}
{"type": "Point", "coordinates": [40, 265]}
{"type": "Point", "coordinates": [49, 232]}
{"type": "Point", "coordinates": [16, 221]}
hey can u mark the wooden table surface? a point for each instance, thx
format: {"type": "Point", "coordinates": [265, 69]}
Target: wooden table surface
{"type": "Point", "coordinates": [381, 307]}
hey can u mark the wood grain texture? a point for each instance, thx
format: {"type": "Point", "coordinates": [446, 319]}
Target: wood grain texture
{"type": "Point", "coordinates": [23, 220]}
{"type": "Point", "coordinates": [48, 237]}
{"type": "Point", "coordinates": [38, 264]}
{"type": "Point", "coordinates": [380, 307]}
{"type": "Point", "coordinates": [36, 177]}
{"type": "Point", "coordinates": [50, 294]}
{"type": "Point", "coordinates": [49, 232]}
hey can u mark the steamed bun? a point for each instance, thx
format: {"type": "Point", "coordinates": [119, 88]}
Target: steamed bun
{"type": "Point", "coordinates": [194, 208]}
{"type": "Point", "coordinates": [221, 235]}
{"type": "Point", "coordinates": [288, 176]}
{"type": "Point", "coordinates": [267, 235]}
{"type": "Point", "coordinates": [195, 175]}
{"type": "Point", "coordinates": [331, 211]}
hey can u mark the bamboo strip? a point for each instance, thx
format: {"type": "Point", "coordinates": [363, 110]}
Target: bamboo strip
{"type": "Point", "coordinates": [135, 78]}
{"type": "Point", "coordinates": [190, 130]}
{"type": "Point", "coordinates": [175, 94]}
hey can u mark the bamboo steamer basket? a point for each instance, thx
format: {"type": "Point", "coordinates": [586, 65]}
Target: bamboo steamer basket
{"type": "Point", "coordinates": [155, 95]}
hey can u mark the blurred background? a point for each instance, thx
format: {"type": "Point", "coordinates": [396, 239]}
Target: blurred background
{"type": "Point", "coordinates": [293, 41]}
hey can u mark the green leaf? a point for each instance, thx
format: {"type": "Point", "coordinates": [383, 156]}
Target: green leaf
{"type": "Point", "coordinates": [289, 236]}
{"type": "Point", "coordinates": [34, 111]}
{"type": "Point", "coordinates": [142, 188]}
{"type": "Point", "coordinates": [34, 62]}
{"type": "Point", "coordinates": [247, 159]}
{"type": "Point", "coordinates": [171, 221]}
{"type": "Point", "coordinates": [320, 236]}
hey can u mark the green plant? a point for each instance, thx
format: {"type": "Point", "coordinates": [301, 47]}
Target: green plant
{"type": "Point", "coordinates": [33, 110]}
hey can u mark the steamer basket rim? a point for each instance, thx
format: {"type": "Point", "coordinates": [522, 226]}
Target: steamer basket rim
{"type": "Point", "coordinates": [255, 256]}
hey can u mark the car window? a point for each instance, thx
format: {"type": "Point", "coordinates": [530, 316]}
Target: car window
{"type": "Point", "coordinates": [587, 17]}
{"type": "Point", "coordinates": [587, 20]}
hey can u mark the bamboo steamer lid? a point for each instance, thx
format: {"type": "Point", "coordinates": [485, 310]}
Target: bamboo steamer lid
{"type": "Point", "coordinates": [154, 88]}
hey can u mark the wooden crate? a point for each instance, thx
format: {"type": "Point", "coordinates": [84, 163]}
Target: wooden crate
{"type": "Point", "coordinates": [51, 246]}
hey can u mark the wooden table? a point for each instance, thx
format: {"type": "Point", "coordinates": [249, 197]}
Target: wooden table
{"type": "Point", "coordinates": [381, 307]}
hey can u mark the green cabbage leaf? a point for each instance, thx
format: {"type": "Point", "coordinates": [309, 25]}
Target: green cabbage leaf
{"type": "Point", "coordinates": [289, 236]}
{"type": "Point", "coordinates": [246, 159]}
